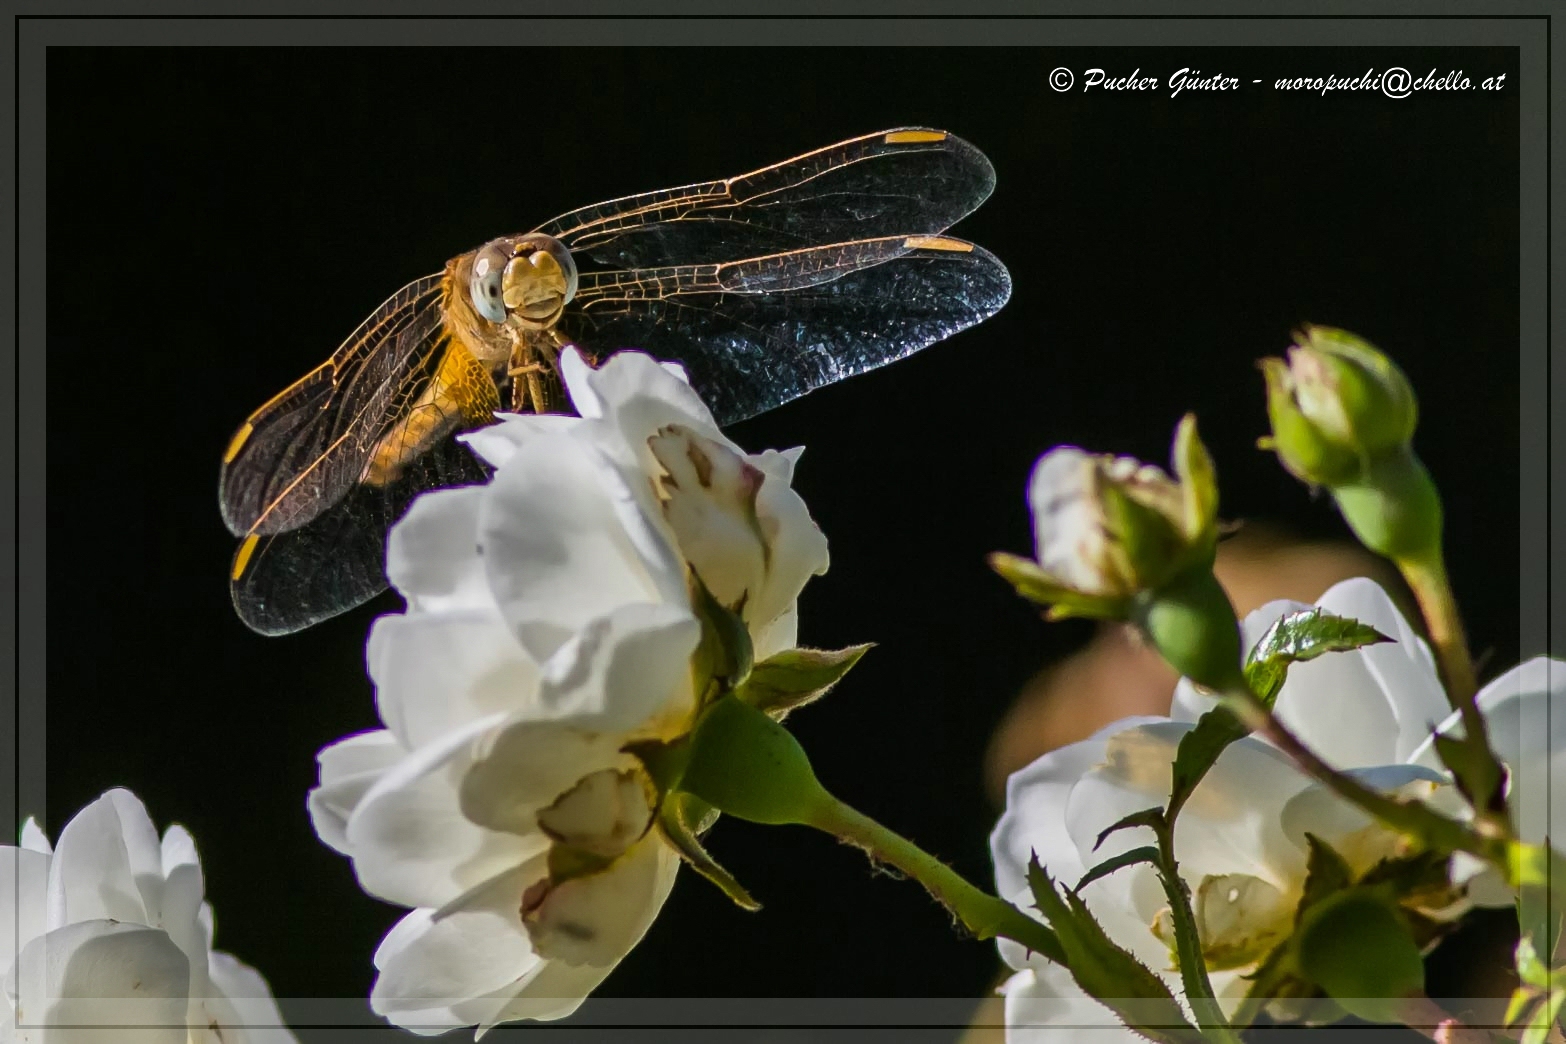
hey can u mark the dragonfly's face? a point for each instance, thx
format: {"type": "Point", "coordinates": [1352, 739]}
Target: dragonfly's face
{"type": "Point", "coordinates": [527, 280]}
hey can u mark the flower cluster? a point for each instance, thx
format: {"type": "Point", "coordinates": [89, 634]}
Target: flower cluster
{"type": "Point", "coordinates": [109, 938]}
{"type": "Point", "coordinates": [1241, 842]}
{"type": "Point", "coordinates": [555, 622]}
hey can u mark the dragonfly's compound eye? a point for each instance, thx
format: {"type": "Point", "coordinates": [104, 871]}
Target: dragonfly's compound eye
{"type": "Point", "coordinates": [487, 285]}
{"type": "Point", "coordinates": [540, 279]}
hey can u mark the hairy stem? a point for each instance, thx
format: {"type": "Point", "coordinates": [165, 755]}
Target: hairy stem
{"type": "Point", "coordinates": [984, 915]}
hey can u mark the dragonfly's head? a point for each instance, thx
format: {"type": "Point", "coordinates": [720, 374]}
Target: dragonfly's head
{"type": "Point", "coordinates": [529, 278]}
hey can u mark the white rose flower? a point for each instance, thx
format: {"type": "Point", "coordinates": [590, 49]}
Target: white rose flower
{"type": "Point", "coordinates": [1525, 715]}
{"type": "Point", "coordinates": [1370, 706]}
{"type": "Point", "coordinates": [1240, 842]}
{"type": "Point", "coordinates": [550, 624]}
{"type": "Point", "coordinates": [108, 937]}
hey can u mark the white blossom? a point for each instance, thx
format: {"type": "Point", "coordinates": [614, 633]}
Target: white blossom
{"type": "Point", "coordinates": [108, 938]}
{"type": "Point", "coordinates": [550, 624]}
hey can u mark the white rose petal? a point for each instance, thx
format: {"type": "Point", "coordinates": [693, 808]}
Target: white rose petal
{"type": "Point", "coordinates": [148, 975]}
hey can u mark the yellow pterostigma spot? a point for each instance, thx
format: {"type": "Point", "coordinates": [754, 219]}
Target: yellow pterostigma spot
{"type": "Point", "coordinates": [954, 246]}
{"type": "Point", "coordinates": [236, 442]}
{"type": "Point", "coordinates": [242, 556]}
{"type": "Point", "coordinates": [901, 137]}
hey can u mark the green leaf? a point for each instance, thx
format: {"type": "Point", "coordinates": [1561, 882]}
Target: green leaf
{"type": "Point", "coordinates": [1198, 478]}
{"type": "Point", "coordinates": [1300, 636]}
{"type": "Point", "coordinates": [794, 677]}
{"type": "Point", "coordinates": [1107, 971]}
{"type": "Point", "coordinates": [1039, 587]}
{"type": "Point", "coordinates": [1530, 969]}
{"type": "Point", "coordinates": [1522, 1000]}
{"type": "Point", "coordinates": [681, 818]}
{"type": "Point", "coordinates": [724, 655]}
{"type": "Point", "coordinates": [1357, 947]}
{"type": "Point", "coordinates": [1198, 751]}
{"type": "Point", "coordinates": [1152, 818]}
{"type": "Point", "coordinates": [1544, 1017]}
{"type": "Point", "coordinates": [1132, 857]}
{"type": "Point", "coordinates": [1479, 775]}
{"type": "Point", "coordinates": [1326, 874]}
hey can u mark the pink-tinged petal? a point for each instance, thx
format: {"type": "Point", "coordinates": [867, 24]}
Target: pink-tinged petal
{"type": "Point", "coordinates": [527, 766]}
{"type": "Point", "coordinates": [408, 837]}
{"type": "Point", "coordinates": [349, 768]}
{"type": "Point", "coordinates": [108, 864]}
{"type": "Point", "coordinates": [628, 671]}
{"type": "Point", "coordinates": [24, 888]}
{"type": "Point", "coordinates": [434, 960]}
{"type": "Point", "coordinates": [1044, 1005]}
{"type": "Point", "coordinates": [709, 499]}
{"type": "Point", "coordinates": [567, 540]}
{"type": "Point", "coordinates": [432, 556]}
{"type": "Point", "coordinates": [437, 672]}
{"type": "Point", "coordinates": [597, 918]}
{"type": "Point", "coordinates": [108, 981]}
{"type": "Point", "coordinates": [245, 1010]}
{"type": "Point", "coordinates": [798, 548]}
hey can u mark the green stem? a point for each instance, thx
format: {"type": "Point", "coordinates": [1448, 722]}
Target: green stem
{"type": "Point", "coordinates": [1427, 578]}
{"type": "Point", "coordinates": [1412, 818]}
{"type": "Point", "coordinates": [984, 915]}
{"type": "Point", "coordinates": [1188, 943]}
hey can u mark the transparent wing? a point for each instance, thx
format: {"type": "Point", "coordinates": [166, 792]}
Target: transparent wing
{"type": "Point", "coordinates": [907, 181]}
{"type": "Point", "coordinates": [754, 334]}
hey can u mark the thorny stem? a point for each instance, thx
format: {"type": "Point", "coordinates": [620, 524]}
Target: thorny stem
{"type": "Point", "coordinates": [984, 915]}
{"type": "Point", "coordinates": [1188, 944]}
{"type": "Point", "coordinates": [1430, 827]}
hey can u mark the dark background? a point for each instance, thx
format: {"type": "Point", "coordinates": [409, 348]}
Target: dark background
{"type": "Point", "coordinates": [220, 219]}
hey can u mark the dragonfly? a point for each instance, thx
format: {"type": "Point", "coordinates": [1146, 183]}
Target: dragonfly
{"type": "Point", "coordinates": [764, 286]}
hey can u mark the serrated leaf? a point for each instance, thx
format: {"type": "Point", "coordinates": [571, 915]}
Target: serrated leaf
{"type": "Point", "coordinates": [1151, 818]}
{"type": "Point", "coordinates": [678, 821]}
{"type": "Point", "coordinates": [1326, 874]}
{"type": "Point", "coordinates": [1357, 947]}
{"type": "Point", "coordinates": [1132, 857]}
{"type": "Point", "coordinates": [1298, 637]}
{"type": "Point", "coordinates": [1199, 750]}
{"type": "Point", "coordinates": [792, 678]}
{"type": "Point", "coordinates": [1107, 971]}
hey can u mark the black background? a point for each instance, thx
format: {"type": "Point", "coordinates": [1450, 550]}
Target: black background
{"type": "Point", "coordinates": [219, 220]}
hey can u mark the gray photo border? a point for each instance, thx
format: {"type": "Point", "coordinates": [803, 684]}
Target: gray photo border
{"type": "Point", "coordinates": [23, 516]}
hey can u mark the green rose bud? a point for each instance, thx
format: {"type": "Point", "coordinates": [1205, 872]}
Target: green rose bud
{"type": "Point", "coordinates": [1107, 529]}
{"type": "Point", "coordinates": [1335, 404]}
